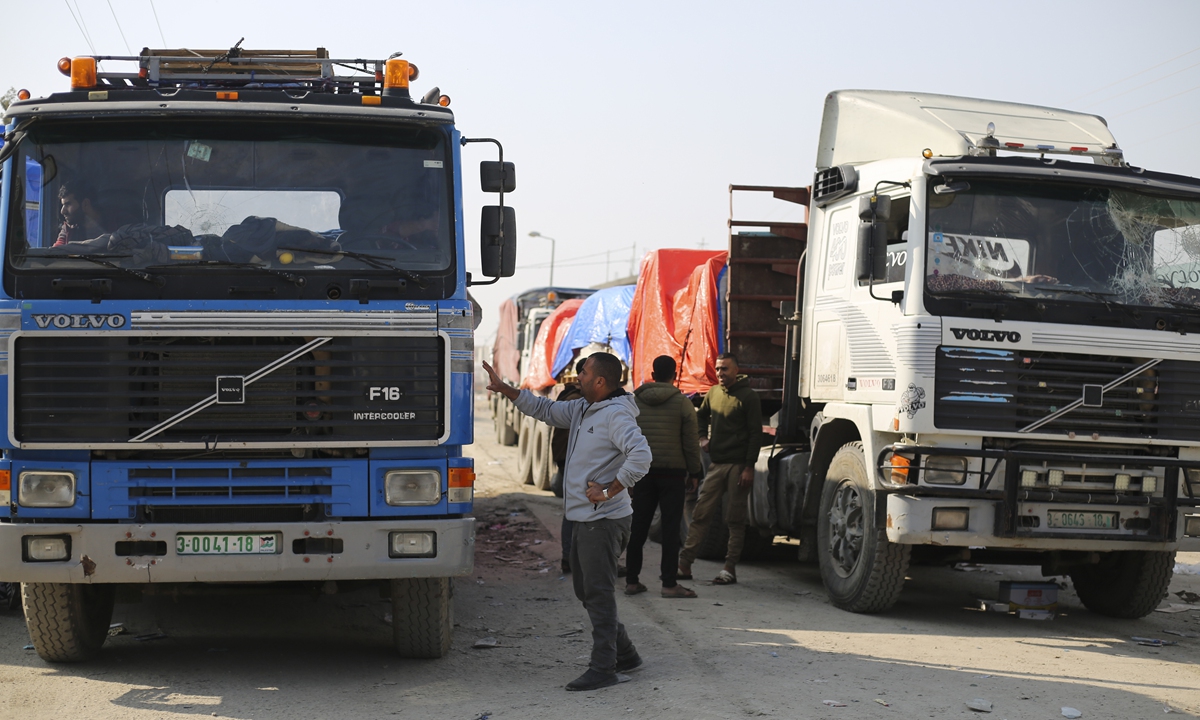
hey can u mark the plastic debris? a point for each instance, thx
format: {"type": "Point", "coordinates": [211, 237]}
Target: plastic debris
{"type": "Point", "coordinates": [719, 604]}
{"type": "Point", "coordinates": [1152, 642]}
{"type": "Point", "coordinates": [117, 629]}
{"type": "Point", "coordinates": [833, 703]}
{"type": "Point", "coordinates": [1176, 608]}
{"type": "Point", "coordinates": [1070, 712]}
{"type": "Point", "coordinates": [387, 618]}
{"type": "Point", "coordinates": [774, 654]}
{"type": "Point", "coordinates": [543, 571]}
{"type": "Point", "coordinates": [483, 715]}
{"type": "Point", "coordinates": [980, 705]}
{"type": "Point", "coordinates": [1035, 615]}
{"type": "Point", "coordinates": [151, 636]}
{"type": "Point", "coordinates": [881, 702]}
{"type": "Point", "coordinates": [1182, 634]}
{"type": "Point", "coordinates": [27, 647]}
{"type": "Point", "coordinates": [486, 642]}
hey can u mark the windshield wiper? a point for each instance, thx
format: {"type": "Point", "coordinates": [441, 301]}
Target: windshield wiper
{"type": "Point", "coordinates": [973, 292]}
{"type": "Point", "coordinates": [298, 280]}
{"type": "Point", "coordinates": [1093, 294]}
{"type": "Point", "coordinates": [102, 260]}
{"type": "Point", "coordinates": [379, 262]}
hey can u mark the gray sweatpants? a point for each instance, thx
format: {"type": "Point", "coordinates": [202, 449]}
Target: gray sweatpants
{"type": "Point", "coordinates": [595, 547]}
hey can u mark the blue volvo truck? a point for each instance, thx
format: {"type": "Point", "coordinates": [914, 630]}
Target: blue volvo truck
{"type": "Point", "coordinates": [237, 336]}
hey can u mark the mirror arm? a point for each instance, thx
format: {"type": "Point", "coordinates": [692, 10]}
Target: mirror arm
{"type": "Point", "coordinates": [464, 142]}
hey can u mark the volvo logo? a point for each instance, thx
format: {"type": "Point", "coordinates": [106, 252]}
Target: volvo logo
{"type": "Point", "coordinates": [986, 335]}
{"type": "Point", "coordinates": [80, 322]}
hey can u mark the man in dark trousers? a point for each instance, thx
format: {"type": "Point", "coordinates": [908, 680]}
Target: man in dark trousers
{"type": "Point", "coordinates": [668, 421]}
{"type": "Point", "coordinates": [606, 455]}
{"type": "Point", "coordinates": [735, 414]}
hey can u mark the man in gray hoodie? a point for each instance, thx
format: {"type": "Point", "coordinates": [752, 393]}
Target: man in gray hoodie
{"type": "Point", "coordinates": [606, 455]}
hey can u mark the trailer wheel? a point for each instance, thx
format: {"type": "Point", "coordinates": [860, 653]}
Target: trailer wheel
{"type": "Point", "coordinates": [67, 622]}
{"type": "Point", "coordinates": [541, 456]}
{"type": "Point", "coordinates": [862, 571]}
{"type": "Point", "coordinates": [1127, 584]}
{"type": "Point", "coordinates": [506, 435]}
{"type": "Point", "coordinates": [525, 452]}
{"type": "Point", "coordinates": [422, 616]}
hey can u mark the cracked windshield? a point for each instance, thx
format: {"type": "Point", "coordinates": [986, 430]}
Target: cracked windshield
{"type": "Point", "coordinates": [1090, 244]}
{"type": "Point", "coordinates": [143, 196]}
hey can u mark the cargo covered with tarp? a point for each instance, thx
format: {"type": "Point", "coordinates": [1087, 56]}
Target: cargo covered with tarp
{"type": "Point", "coordinates": [550, 335]}
{"type": "Point", "coordinates": [675, 312]}
{"type": "Point", "coordinates": [506, 358]}
{"type": "Point", "coordinates": [602, 322]}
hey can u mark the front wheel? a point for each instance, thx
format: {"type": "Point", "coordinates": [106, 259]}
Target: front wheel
{"type": "Point", "coordinates": [863, 572]}
{"type": "Point", "coordinates": [422, 617]}
{"type": "Point", "coordinates": [67, 622]}
{"type": "Point", "coordinates": [1127, 584]}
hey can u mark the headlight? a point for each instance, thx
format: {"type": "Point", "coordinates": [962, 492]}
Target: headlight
{"type": "Point", "coordinates": [945, 470]}
{"type": "Point", "coordinates": [413, 544]}
{"type": "Point", "coordinates": [1191, 526]}
{"type": "Point", "coordinates": [40, 488]}
{"type": "Point", "coordinates": [47, 548]}
{"type": "Point", "coordinates": [412, 487]}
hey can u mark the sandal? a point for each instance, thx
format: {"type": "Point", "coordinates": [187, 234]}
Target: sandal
{"type": "Point", "coordinates": [635, 589]}
{"type": "Point", "coordinates": [725, 578]}
{"type": "Point", "coordinates": [678, 591]}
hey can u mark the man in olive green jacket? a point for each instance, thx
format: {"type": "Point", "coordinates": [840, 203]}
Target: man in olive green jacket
{"type": "Point", "coordinates": [736, 416]}
{"type": "Point", "coordinates": [668, 421]}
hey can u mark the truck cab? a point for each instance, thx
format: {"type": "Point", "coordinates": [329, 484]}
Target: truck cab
{"type": "Point", "coordinates": [989, 355]}
{"type": "Point", "coordinates": [238, 341]}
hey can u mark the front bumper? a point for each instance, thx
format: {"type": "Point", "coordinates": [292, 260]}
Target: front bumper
{"type": "Point", "coordinates": [364, 553]}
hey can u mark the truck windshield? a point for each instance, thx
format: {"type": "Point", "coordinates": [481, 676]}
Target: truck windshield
{"type": "Point", "coordinates": [1062, 242]}
{"type": "Point", "coordinates": [198, 196]}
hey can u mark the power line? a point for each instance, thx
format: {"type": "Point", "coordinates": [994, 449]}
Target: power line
{"type": "Point", "coordinates": [1139, 72]}
{"type": "Point", "coordinates": [156, 22]}
{"type": "Point", "coordinates": [1139, 87]}
{"type": "Point", "coordinates": [118, 22]}
{"type": "Point", "coordinates": [1172, 132]}
{"type": "Point", "coordinates": [86, 39]}
{"type": "Point", "coordinates": [87, 33]}
{"type": "Point", "coordinates": [1169, 97]}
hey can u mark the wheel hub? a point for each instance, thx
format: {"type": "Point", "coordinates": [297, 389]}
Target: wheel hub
{"type": "Point", "coordinates": [846, 529]}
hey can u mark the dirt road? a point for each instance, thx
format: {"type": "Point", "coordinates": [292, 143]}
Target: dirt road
{"type": "Point", "coordinates": [769, 646]}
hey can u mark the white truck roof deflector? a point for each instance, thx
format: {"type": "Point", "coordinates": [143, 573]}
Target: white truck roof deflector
{"type": "Point", "coordinates": [864, 125]}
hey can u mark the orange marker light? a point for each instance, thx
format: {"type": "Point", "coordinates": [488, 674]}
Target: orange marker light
{"type": "Point", "coordinates": [444, 101]}
{"type": "Point", "coordinates": [23, 94]}
{"type": "Point", "coordinates": [83, 73]}
{"type": "Point", "coordinates": [64, 66]}
{"type": "Point", "coordinates": [900, 467]}
{"type": "Point", "coordinates": [396, 74]}
{"type": "Point", "coordinates": [5, 480]}
{"type": "Point", "coordinates": [372, 100]}
{"type": "Point", "coordinates": [461, 477]}
{"type": "Point", "coordinates": [223, 95]}
{"type": "Point", "coordinates": [413, 72]}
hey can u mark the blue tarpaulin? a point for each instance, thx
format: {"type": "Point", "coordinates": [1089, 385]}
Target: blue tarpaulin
{"type": "Point", "coordinates": [603, 318]}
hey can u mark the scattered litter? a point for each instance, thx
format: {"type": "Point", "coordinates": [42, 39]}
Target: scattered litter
{"type": "Point", "coordinates": [1070, 712]}
{"type": "Point", "coordinates": [543, 571]}
{"type": "Point", "coordinates": [1182, 634]}
{"type": "Point", "coordinates": [1188, 596]}
{"type": "Point", "coordinates": [27, 647]}
{"type": "Point", "coordinates": [496, 604]}
{"type": "Point", "coordinates": [980, 705]}
{"type": "Point", "coordinates": [1036, 615]}
{"type": "Point", "coordinates": [833, 703]}
{"type": "Point", "coordinates": [1185, 569]}
{"type": "Point", "coordinates": [719, 604]}
{"type": "Point", "coordinates": [1152, 642]}
{"type": "Point", "coordinates": [1029, 595]}
{"type": "Point", "coordinates": [479, 582]}
{"type": "Point", "coordinates": [570, 633]}
{"type": "Point", "coordinates": [968, 567]}
{"type": "Point", "coordinates": [774, 654]}
{"type": "Point", "coordinates": [486, 642]}
{"type": "Point", "coordinates": [117, 629]}
{"type": "Point", "coordinates": [994, 606]}
{"type": "Point", "coordinates": [819, 680]}
{"type": "Point", "coordinates": [1176, 608]}
{"type": "Point", "coordinates": [152, 636]}
{"type": "Point", "coordinates": [983, 677]}
{"type": "Point", "coordinates": [483, 715]}
{"type": "Point", "coordinates": [525, 544]}
{"type": "Point", "coordinates": [623, 678]}
{"type": "Point", "coordinates": [537, 542]}
{"type": "Point", "coordinates": [803, 592]}
{"type": "Point", "coordinates": [387, 618]}
{"type": "Point", "coordinates": [1169, 709]}
{"type": "Point", "coordinates": [881, 702]}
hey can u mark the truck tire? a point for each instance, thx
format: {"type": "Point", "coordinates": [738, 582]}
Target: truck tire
{"type": "Point", "coordinates": [67, 622]}
{"type": "Point", "coordinates": [422, 617]}
{"type": "Point", "coordinates": [525, 452]}
{"type": "Point", "coordinates": [862, 571]}
{"type": "Point", "coordinates": [1127, 584]}
{"type": "Point", "coordinates": [542, 463]}
{"type": "Point", "coordinates": [506, 435]}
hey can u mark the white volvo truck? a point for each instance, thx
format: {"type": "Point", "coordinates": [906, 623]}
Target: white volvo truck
{"type": "Point", "coordinates": [990, 333]}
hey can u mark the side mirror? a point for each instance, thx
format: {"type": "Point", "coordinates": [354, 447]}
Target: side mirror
{"type": "Point", "coordinates": [874, 211]}
{"type": "Point", "coordinates": [498, 240]}
{"type": "Point", "coordinates": [497, 177]}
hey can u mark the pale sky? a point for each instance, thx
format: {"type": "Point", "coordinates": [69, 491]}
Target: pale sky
{"type": "Point", "coordinates": [628, 121]}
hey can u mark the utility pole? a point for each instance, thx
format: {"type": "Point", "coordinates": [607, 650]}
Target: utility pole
{"type": "Point", "coordinates": [632, 258]}
{"type": "Point", "coordinates": [553, 244]}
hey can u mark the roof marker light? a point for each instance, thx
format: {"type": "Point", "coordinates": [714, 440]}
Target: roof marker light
{"type": "Point", "coordinates": [444, 101]}
{"type": "Point", "coordinates": [227, 95]}
{"type": "Point", "coordinates": [927, 153]}
{"type": "Point", "coordinates": [23, 94]}
{"type": "Point", "coordinates": [1079, 149]}
{"type": "Point", "coordinates": [83, 73]}
{"type": "Point", "coordinates": [372, 100]}
{"type": "Point", "coordinates": [1014, 145]}
{"type": "Point", "coordinates": [64, 66]}
{"type": "Point", "coordinates": [396, 76]}
{"type": "Point", "coordinates": [1045, 147]}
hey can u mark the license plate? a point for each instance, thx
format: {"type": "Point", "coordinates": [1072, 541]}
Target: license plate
{"type": "Point", "coordinates": [1081, 520]}
{"type": "Point", "coordinates": [226, 544]}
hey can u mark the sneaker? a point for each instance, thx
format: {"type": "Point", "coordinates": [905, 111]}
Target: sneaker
{"type": "Point", "coordinates": [632, 662]}
{"type": "Point", "coordinates": [593, 680]}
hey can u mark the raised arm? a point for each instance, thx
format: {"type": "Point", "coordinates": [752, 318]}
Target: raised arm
{"type": "Point", "coordinates": [558, 414]}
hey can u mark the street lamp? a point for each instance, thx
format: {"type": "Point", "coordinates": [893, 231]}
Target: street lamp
{"type": "Point", "coordinates": [536, 234]}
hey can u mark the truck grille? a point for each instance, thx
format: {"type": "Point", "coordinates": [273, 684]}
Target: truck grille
{"type": "Point", "coordinates": [111, 389]}
{"type": "Point", "coordinates": [1006, 390]}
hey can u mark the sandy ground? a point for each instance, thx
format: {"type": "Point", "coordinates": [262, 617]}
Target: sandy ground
{"type": "Point", "coordinates": [769, 646]}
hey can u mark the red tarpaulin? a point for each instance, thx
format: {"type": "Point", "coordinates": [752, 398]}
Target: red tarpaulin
{"type": "Point", "coordinates": [675, 313]}
{"type": "Point", "coordinates": [545, 347]}
{"type": "Point", "coordinates": [505, 358]}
